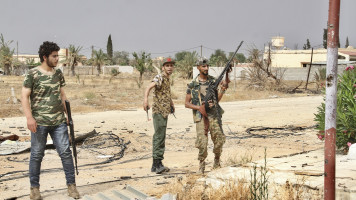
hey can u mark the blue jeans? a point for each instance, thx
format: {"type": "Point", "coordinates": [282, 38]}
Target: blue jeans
{"type": "Point", "coordinates": [59, 135]}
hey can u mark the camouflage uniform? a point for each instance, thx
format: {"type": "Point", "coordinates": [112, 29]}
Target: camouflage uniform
{"type": "Point", "coordinates": [217, 136]}
{"type": "Point", "coordinates": [161, 108]}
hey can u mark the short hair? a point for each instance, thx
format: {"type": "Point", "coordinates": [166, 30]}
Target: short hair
{"type": "Point", "coordinates": [46, 49]}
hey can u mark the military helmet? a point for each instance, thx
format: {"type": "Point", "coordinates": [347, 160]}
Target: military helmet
{"type": "Point", "coordinates": [202, 61]}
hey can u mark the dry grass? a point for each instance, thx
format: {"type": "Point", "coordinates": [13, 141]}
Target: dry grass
{"type": "Point", "coordinates": [236, 160]}
{"type": "Point", "coordinates": [89, 93]}
{"type": "Point", "coordinates": [297, 191]}
{"type": "Point", "coordinates": [189, 188]}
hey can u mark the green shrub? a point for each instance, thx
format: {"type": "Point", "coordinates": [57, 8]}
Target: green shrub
{"type": "Point", "coordinates": [346, 111]}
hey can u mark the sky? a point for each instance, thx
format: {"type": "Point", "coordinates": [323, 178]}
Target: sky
{"type": "Point", "coordinates": [165, 27]}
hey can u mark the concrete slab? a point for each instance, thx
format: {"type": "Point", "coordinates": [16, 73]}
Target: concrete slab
{"type": "Point", "coordinates": [308, 166]}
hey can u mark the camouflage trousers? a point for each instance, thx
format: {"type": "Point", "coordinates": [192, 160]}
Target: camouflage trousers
{"type": "Point", "coordinates": [217, 136]}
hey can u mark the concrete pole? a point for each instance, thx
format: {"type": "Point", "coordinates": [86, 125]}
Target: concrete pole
{"type": "Point", "coordinates": [330, 101]}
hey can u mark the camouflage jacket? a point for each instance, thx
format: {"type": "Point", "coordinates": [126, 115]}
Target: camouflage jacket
{"type": "Point", "coordinates": [162, 95]}
{"type": "Point", "coordinates": [194, 90]}
{"type": "Point", "coordinates": [46, 103]}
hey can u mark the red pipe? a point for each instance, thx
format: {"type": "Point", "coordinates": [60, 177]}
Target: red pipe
{"type": "Point", "coordinates": [330, 100]}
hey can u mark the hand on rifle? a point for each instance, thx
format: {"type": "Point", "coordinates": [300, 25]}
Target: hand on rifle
{"type": "Point", "coordinates": [230, 68]}
{"type": "Point", "coordinates": [224, 85]}
{"type": "Point", "coordinates": [202, 108]}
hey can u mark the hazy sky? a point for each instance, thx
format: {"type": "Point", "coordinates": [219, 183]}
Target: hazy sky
{"type": "Point", "coordinates": [159, 26]}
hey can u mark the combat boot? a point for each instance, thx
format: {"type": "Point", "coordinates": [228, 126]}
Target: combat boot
{"type": "Point", "coordinates": [35, 193]}
{"type": "Point", "coordinates": [154, 166]}
{"type": "Point", "coordinates": [216, 163]}
{"type": "Point", "coordinates": [201, 167]}
{"type": "Point", "coordinates": [160, 164]}
{"type": "Point", "coordinates": [159, 167]}
{"type": "Point", "coordinates": [72, 191]}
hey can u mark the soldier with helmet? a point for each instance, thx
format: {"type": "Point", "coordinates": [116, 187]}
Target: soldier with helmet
{"type": "Point", "coordinates": [194, 96]}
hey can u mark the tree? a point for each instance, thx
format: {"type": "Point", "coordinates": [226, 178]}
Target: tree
{"type": "Point", "coordinates": [325, 38]}
{"type": "Point", "coordinates": [142, 62]}
{"type": "Point", "coordinates": [74, 57]}
{"type": "Point", "coordinates": [180, 55]}
{"type": "Point", "coordinates": [121, 58]}
{"type": "Point", "coordinates": [347, 42]}
{"type": "Point", "coordinates": [6, 55]}
{"type": "Point", "coordinates": [30, 63]}
{"type": "Point", "coordinates": [109, 49]}
{"type": "Point", "coordinates": [186, 64]}
{"type": "Point", "coordinates": [218, 58]}
{"type": "Point", "coordinates": [307, 45]}
{"type": "Point", "coordinates": [99, 59]}
{"type": "Point", "coordinates": [239, 57]}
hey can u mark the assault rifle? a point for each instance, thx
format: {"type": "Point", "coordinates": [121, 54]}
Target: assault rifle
{"type": "Point", "coordinates": [71, 134]}
{"type": "Point", "coordinates": [212, 93]}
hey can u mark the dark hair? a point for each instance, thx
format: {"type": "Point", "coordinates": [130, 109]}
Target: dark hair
{"type": "Point", "coordinates": [46, 49]}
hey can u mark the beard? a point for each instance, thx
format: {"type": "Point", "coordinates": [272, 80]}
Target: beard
{"type": "Point", "coordinates": [205, 72]}
{"type": "Point", "coordinates": [51, 64]}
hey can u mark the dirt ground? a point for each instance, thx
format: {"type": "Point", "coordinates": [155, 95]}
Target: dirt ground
{"type": "Point", "coordinates": [114, 109]}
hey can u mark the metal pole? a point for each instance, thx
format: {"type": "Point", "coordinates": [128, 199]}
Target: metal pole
{"type": "Point", "coordinates": [201, 51]}
{"type": "Point", "coordinates": [330, 101]}
{"type": "Point", "coordinates": [311, 61]}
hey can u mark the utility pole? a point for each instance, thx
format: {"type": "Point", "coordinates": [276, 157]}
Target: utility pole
{"type": "Point", "coordinates": [92, 56]}
{"type": "Point", "coordinates": [201, 50]}
{"type": "Point", "coordinates": [311, 61]}
{"type": "Point", "coordinates": [331, 99]}
{"type": "Point", "coordinates": [17, 49]}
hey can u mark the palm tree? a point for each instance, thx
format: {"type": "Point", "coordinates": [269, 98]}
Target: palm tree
{"type": "Point", "coordinates": [73, 57]}
{"type": "Point", "coordinates": [99, 59]}
{"type": "Point", "coordinates": [185, 66]}
{"type": "Point", "coordinates": [6, 55]}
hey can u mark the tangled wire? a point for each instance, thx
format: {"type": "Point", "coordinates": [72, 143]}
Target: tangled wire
{"type": "Point", "coordinates": [106, 145]}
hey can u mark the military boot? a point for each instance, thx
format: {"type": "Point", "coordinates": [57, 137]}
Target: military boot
{"type": "Point", "coordinates": [35, 193]}
{"type": "Point", "coordinates": [72, 191]}
{"type": "Point", "coordinates": [159, 168]}
{"type": "Point", "coordinates": [216, 163]}
{"type": "Point", "coordinates": [154, 166]}
{"type": "Point", "coordinates": [201, 167]}
{"type": "Point", "coordinates": [160, 164]}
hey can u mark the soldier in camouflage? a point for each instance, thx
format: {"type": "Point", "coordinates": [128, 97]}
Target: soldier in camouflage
{"type": "Point", "coordinates": [195, 93]}
{"type": "Point", "coordinates": [43, 86]}
{"type": "Point", "coordinates": [161, 108]}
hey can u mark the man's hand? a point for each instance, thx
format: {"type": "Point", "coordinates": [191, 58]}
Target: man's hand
{"type": "Point", "coordinates": [146, 107]}
{"type": "Point", "coordinates": [32, 125]}
{"type": "Point", "coordinates": [224, 85]}
{"type": "Point", "coordinates": [173, 109]}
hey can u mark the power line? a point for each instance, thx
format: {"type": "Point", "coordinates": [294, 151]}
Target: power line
{"type": "Point", "coordinates": [177, 50]}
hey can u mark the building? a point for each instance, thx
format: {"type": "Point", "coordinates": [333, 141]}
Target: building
{"type": "Point", "coordinates": [301, 58]}
{"type": "Point", "coordinates": [63, 53]}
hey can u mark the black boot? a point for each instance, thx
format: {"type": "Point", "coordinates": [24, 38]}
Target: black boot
{"type": "Point", "coordinates": [154, 166]}
{"type": "Point", "coordinates": [160, 164]}
{"type": "Point", "coordinates": [159, 167]}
